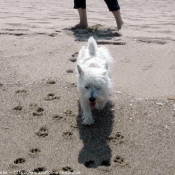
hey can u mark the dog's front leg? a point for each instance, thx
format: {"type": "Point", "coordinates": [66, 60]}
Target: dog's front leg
{"type": "Point", "coordinates": [87, 115]}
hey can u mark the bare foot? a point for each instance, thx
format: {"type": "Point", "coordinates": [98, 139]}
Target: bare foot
{"type": "Point", "coordinates": [119, 24]}
{"type": "Point", "coordinates": [79, 26]}
{"type": "Point", "coordinates": [83, 24]}
{"type": "Point", "coordinates": [118, 19]}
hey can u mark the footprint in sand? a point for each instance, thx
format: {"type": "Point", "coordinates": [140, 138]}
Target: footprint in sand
{"type": "Point", "coordinates": [120, 161]}
{"type": "Point", "coordinates": [74, 126]}
{"type": "Point", "coordinates": [67, 135]}
{"type": "Point", "coordinates": [70, 71]}
{"type": "Point", "coordinates": [71, 85]}
{"type": "Point", "coordinates": [69, 113]}
{"type": "Point", "coordinates": [18, 108]}
{"type": "Point", "coordinates": [33, 105]}
{"type": "Point", "coordinates": [39, 170]}
{"type": "Point", "coordinates": [51, 96]}
{"type": "Point", "coordinates": [57, 117]}
{"type": "Point", "coordinates": [38, 111]}
{"type": "Point", "coordinates": [51, 82]}
{"type": "Point", "coordinates": [67, 169]}
{"type": "Point", "coordinates": [20, 161]}
{"type": "Point", "coordinates": [34, 152]}
{"type": "Point", "coordinates": [53, 34]}
{"type": "Point", "coordinates": [21, 91]}
{"type": "Point", "coordinates": [43, 132]}
{"type": "Point", "coordinates": [117, 138]}
{"type": "Point", "coordinates": [74, 57]}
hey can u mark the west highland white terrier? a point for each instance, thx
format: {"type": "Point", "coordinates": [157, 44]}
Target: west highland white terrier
{"type": "Point", "coordinates": [94, 83]}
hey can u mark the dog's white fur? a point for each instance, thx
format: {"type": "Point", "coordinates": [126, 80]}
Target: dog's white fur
{"type": "Point", "coordinates": [94, 83]}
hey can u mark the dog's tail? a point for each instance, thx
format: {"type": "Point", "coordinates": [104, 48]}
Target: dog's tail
{"type": "Point", "coordinates": [92, 46]}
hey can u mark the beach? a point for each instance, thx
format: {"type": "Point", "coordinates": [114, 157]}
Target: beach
{"type": "Point", "coordinates": [40, 117]}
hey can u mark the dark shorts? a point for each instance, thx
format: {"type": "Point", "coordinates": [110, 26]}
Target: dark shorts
{"type": "Point", "coordinates": [112, 4]}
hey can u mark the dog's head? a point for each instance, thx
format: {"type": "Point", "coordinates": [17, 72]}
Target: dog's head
{"type": "Point", "coordinates": [94, 85]}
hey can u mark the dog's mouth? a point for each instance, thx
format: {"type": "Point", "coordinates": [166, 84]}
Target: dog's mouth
{"type": "Point", "coordinates": [92, 104]}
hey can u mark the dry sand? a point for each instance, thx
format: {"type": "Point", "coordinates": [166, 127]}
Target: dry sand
{"type": "Point", "coordinates": [40, 119]}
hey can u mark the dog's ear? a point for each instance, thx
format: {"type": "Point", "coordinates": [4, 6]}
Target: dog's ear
{"type": "Point", "coordinates": [80, 71]}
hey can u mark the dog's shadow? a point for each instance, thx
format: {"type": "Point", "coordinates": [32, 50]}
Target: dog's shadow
{"type": "Point", "coordinates": [96, 151]}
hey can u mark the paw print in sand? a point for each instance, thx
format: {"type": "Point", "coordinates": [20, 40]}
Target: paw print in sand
{"type": "Point", "coordinates": [70, 71]}
{"type": "Point", "coordinates": [67, 135]}
{"type": "Point", "coordinates": [51, 96]}
{"type": "Point", "coordinates": [22, 91]}
{"type": "Point", "coordinates": [20, 161]}
{"type": "Point", "coordinates": [117, 138]}
{"type": "Point", "coordinates": [39, 170]}
{"type": "Point", "coordinates": [57, 117]}
{"type": "Point", "coordinates": [51, 81]}
{"type": "Point", "coordinates": [120, 161]}
{"type": "Point", "coordinates": [18, 108]}
{"type": "Point", "coordinates": [74, 57]}
{"type": "Point", "coordinates": [68, 169]}
{"type": "Point", "coordinates": [38, 111]}
{"type": "Point", "coordinates": [43, 132]}
{"type": "Point", "coordinates": [34, 152]}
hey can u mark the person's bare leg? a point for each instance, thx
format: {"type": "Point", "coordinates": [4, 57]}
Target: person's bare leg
{"type": "Point", "coordinates": [83, 19]}
{"type": "Point", "coordinates": [118, 18]}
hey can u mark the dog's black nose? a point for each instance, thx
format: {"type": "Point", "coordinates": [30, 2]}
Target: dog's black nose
{"type": "Point", "coordinates": [91, 99]}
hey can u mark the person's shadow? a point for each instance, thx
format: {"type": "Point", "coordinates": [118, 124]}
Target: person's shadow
{"type": "Point", "coordinates": [96, 151]}
{"type": "Point", "coordinates": [98, 31]}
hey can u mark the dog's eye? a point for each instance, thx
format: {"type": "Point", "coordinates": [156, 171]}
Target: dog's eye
{"type": "Point", "coordinates": [98, 88]}
{"type": "Point", "coordinates": [87, 87]}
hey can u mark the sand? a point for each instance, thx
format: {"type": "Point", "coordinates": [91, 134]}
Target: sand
{"type": "Point", "coordinates": [40, 119]}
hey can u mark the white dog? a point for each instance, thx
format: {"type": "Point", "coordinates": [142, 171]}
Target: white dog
{"type": "Point", "coordinates": [94, 83]}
